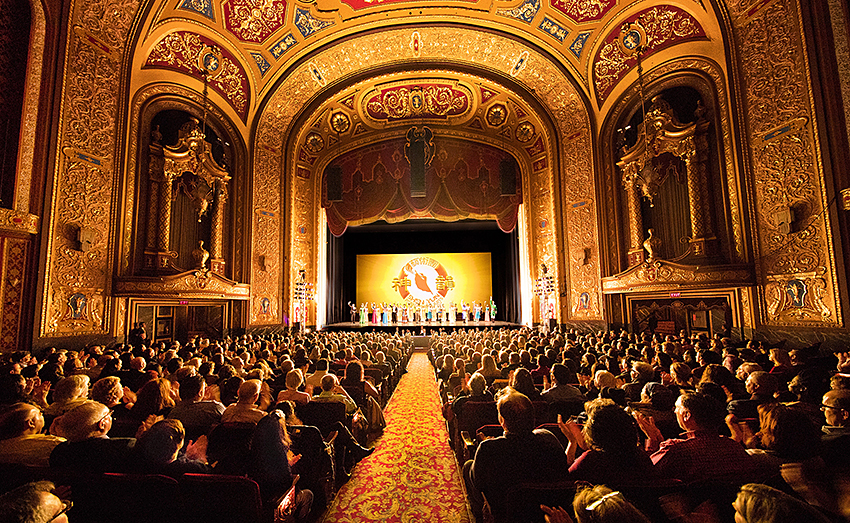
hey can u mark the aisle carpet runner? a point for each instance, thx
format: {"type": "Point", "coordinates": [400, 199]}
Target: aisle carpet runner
{"type": "Point", "coordinates": [412, 475]}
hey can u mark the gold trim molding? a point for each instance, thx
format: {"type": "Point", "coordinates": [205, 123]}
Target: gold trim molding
{"type": "Point", "coordinates": [192, 284]}
{"type": "Point", "coordinates": [661, 275]}
{"type": "Point", "coordinates": [17, 221]}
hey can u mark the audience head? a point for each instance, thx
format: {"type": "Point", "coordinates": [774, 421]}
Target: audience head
{"type": "Point", "coordinates": [322, 364]}
{"type": "Point", "coordinates": [560, 374]}
{"type": "Point", "coordinates": [788, 432]}
{"type": "Point", "coordinates": [516, 413]}
{"type": "Point", "coordinates": [88, 420]}
{"type": "Point", "coordinates": [33, 503]}
{"type": "Point", "coordinates": [20, 419]}
{"type": "Point", "coordinates": [762, 383]}
{"type": "Point", "coordinates": [609, 428]}
{"type": "Point", "coordinates": [249, 392]}
{"type": "Point", "coordinates": [697, 411]}
{"type": "Point", "coordinates": [329, 382]}
{"type": "Point", "coordinates": [661, 397]}
{"type": "Point", "coordinates": [522, 381]}
{"type": "Point", "coordinates": [161, 443]}
{"type": "Point", "coordinates": [836, 408]}
{"type": "Point", "coordinates": [603, 378]}
{"type": "Point", "coordinates": [154, 396]}
{"type": "Point", "coordinates": [354, 372]}
{"type": "Point", "coordinates": [192, 388]}
{"type": "Point", "coordinates": [71, 388]}
{"type": "Point", "coordinates": [757, 503]}
{"type": "Point", "coordinates": [108, 391]}
{"type": "Point", "coordinates": [642, 371]}
{"type": "Point", "coordinates": [477, 383]}
{"type": "Point", "coordinates": [600, 504]}
{"type": "Point", "coordinates": [681, 373]}
{"type": "Point", "coordinates": [294, 379]}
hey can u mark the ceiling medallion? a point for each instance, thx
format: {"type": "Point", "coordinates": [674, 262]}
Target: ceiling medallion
{"type": "Point", "coordinates": [314, 143]}
{"type": "Point", "coordinates": [340, 122]}
{"type": "Point", "coordinates": [524, 132]}
{"type": "Point", "coordinates": [209, 61]}
{"type": "Point", "coordinates": [497, 115]}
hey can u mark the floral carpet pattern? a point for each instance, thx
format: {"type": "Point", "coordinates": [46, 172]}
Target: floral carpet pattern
{"type": "Point", "coordinates": [412, 476]}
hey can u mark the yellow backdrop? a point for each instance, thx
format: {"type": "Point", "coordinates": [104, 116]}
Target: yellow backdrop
{"type": "Point", "coordinates": [424, 279]}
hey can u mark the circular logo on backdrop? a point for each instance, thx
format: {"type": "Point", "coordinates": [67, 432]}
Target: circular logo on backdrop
{"type": "Point", "coordinates": [423, 278]}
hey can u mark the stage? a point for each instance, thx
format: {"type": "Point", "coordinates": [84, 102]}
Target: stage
{"type": "Point", "coordinates": [420, 327]}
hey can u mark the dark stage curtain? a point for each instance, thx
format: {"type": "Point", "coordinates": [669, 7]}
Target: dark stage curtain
{"type": "Point", "coordinates": [337, 304]}
{"type": "Point", "coordinates": [423, 236]}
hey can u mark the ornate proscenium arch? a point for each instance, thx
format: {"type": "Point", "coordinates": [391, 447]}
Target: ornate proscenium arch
{"type": "Point", "coordinates": [560, 219]}
{"type": "Point", "coordinates": [478, 129]}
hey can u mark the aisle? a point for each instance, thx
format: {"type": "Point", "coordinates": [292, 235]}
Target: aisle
{"type": "Point", "coordinates": [412, 476]}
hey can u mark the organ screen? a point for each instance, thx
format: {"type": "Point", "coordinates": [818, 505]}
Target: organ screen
{"type": "Point", "coordinates": [433, 279]}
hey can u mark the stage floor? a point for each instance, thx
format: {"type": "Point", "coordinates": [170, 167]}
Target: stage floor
{"type": "Point", "coordinates": [426, 327]}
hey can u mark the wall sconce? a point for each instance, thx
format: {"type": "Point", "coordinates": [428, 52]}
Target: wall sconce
{"type": "Point", "coordinates": [85, 238]}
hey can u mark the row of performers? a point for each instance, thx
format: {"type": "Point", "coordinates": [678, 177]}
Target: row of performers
{"type": "Point", "coordinates": [385, 313]}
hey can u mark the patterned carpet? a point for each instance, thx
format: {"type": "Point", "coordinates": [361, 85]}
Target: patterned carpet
{"type": "Point", "coordinates": [412, 476]}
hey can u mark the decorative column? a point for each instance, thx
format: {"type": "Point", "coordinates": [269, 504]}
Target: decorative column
{"type": "Point", "coordinates": [217, 263]}
{"type": "Point", "coordinates": [693, 154]}
{"type": "Point", "coordinates": [636, 252]}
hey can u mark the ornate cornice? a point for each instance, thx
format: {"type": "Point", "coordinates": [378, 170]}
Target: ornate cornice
{"type": "Point", "coordinates": [17, 221]}
{"type": "Point", "coordinates": [669, 276]}
{"type": "Point", "coordinates": [193, 284]}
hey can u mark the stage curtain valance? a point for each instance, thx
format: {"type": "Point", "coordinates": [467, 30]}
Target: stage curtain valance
{"type": "Point", "coordinates": [463, 180]}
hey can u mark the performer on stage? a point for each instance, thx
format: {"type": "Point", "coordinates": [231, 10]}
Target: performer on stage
{"type": "Point", "coordinates": [385, 313]}
{"type": "Point", "coordinates": [352, 310]}
{"type": "Point", "coordinates": [487, 310]}
{"type": "Point", "coordinates": [364, 313]}
{"type": "Point", "coordinates": [376, 319]}
{"type": "Point", "coordinates": [465, 308]}
{"type": "Point", "coordinates": [477, 308]}
{"type": "Point", "coordinates": [492, 310]}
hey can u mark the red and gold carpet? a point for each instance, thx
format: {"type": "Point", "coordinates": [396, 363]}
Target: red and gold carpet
{"type": "Point", "coordinates": [412, 476]}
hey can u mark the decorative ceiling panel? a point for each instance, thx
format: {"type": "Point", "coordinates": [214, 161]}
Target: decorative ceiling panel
{"type": "Point", "coordinates": [656, 28]}
{"type": "Point", "coordinates": [183, 50]}
{"type": "Point", "coordinates": [254, 20]}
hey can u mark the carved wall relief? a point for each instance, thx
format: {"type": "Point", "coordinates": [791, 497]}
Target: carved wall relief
{"type": "Point", "coordinates": [796, 270]}
{"type": "Point", "coordinates": [75, 286]}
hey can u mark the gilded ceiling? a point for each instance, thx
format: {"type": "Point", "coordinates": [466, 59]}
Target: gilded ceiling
{"type": "Point", "coordinates": [257, 43]}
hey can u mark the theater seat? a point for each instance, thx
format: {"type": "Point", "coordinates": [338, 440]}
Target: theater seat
{"type": "Point", "coordinates": [523, 502]}
{"type": "Point", "coordinates": [214, 498]}
{"type": "Point", "coordinates": [128, 498]}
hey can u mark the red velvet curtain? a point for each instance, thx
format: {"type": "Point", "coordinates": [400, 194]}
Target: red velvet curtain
{"type": "Point", "coordinates": [461, 182]}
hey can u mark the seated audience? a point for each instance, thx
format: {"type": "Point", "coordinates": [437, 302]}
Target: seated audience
{"type": "Point", "coordinates": [197, 415]}
{"type": "Point", "coordinates": [610, 439]}
{"type": "Point", "coordinates": [157, 451]}
{"type": "Point", "coordinates": [88, 448]}
{"type": "Point", "coordinates": [294, 381]}
{"type": "Point", "coordinates": [33, 503]}
{"type": "Point", "coordinates": [245, 409]}
{"type": "Point", "coordinates": [758, 503]}
{"type": "Point", "coordinates": [270, 462]}
{"type": "Point", "coordinates": [560, 390]}
{"type": "Point", "coordinates": [521, 455]}
{"type": "Point", "coordinates": [21, 438]}
{"type": "Point", "coordinates": [703, 454]}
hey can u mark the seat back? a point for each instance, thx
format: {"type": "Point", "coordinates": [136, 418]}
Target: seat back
{"type": "Point", "coordinates": [357, 394]}
{"type": "Point", "coordinates": [321, 414]}
{"type": "Point", "coordinates": [131, 498]}
{"type": "Point", "coordinates": [556, 430]}
{"type": "Point", "coordinates": [523, 502]}
{"type": "Point", "coordinates": [476, 414]}
{"type": "Point", "coordinates": [566, 409]}
{"type": "Point", "coordinates": [214, 498]}
{"type": "Point", "coordinates": [541, 412]}
{"type": "Point", "coordinates": [229, 445]}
